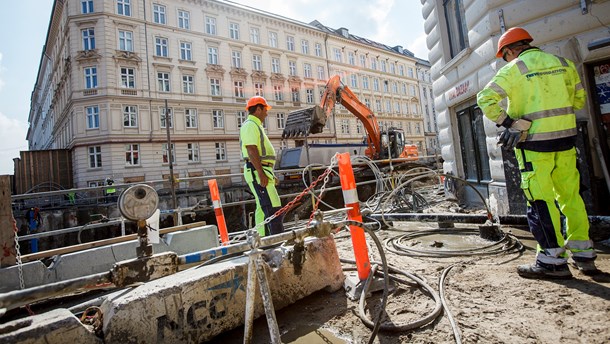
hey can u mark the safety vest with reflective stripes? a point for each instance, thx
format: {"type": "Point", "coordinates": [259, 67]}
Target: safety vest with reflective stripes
{"type": "Point", "coordinates": [540, 87]}
{"type": "Point", "coordinates": [252, 134]}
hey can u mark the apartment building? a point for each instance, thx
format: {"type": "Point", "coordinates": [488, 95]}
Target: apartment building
{"type": "Point", "coordinates": [117, 77]}
{"type": "Point", "coordinates": [462, 36]}
{"type": "Point", "coordinates": [427, 107]}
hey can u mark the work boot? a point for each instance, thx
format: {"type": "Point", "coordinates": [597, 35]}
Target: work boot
{"type": "Point", "coordinates": [538, 271]}
{"type": "Point", "coordinates": [586, 267]}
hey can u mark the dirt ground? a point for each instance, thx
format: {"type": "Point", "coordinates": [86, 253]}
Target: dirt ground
{"type": "Point", "coordinates": [488, 300]}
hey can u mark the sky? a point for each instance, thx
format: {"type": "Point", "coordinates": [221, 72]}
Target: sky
{"type": "Point", "coordinates": [391, 22]}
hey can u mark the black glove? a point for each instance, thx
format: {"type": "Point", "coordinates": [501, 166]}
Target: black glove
{"type": "Point", "coordinates": [515, 134]}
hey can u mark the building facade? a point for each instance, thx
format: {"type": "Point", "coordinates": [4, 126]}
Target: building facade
{"type": "Point", "coordinates": [116, 78]}
{"type": "Point", "coordinates": [462, 36]}
{"type": "Point", "coordinates": [427, 107]}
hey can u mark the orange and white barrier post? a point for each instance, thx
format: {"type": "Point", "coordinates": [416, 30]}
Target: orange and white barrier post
{"type": "Point", "coordinates": [220, 215]}
{"type": "Point", "coordinates": [350, 197]}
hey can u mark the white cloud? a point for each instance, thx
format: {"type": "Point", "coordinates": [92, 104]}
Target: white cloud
{"type": "Point", "coordinates": [419, 47]}
{"type": "Point", "coordinates": [13, 134]}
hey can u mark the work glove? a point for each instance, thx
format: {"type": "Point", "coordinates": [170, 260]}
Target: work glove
{"type": "Point", "coordinates": [515, 134]}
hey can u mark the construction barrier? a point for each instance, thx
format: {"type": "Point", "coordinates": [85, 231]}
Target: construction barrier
{"type": "Point", "coordinates": [220, 215]}
{"type": "Point", "coordinates": [350, 197]}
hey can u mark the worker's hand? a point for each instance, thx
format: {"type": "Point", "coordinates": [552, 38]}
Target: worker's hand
{"type": "Point", "coordinates": [510, 137]}
{"type": "Point", "coordinates": [277, 180]}
{"type": "Point", "coordinates": [264, 180]}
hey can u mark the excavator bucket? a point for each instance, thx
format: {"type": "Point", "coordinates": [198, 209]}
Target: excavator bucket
{"type": "Point", "coordinates": [303, 122]}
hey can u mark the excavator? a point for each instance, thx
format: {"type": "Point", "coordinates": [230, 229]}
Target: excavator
{"type": "Point", "coordinates": [381, 144]}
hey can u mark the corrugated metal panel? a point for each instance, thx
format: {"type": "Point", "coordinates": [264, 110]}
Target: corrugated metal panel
{"type": "Point", "coordinates": [43, 170]}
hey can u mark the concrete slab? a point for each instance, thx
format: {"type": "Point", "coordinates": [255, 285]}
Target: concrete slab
{"type": "Point", "coordinates": [195, 305]}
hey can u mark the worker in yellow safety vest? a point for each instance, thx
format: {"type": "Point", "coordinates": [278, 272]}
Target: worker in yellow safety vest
{"type": "Point", "coordinates": [259, 155]}
{"type": "Point", "coordinates": [543, 92]}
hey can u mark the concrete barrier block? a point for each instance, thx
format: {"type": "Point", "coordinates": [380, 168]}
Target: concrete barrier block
{"type": "Point", "coordinates": [55, 327]}
{"type": "Point", "coordinates": [197, 304]}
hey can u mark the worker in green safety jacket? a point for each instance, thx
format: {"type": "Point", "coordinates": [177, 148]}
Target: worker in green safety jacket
{"type": "Point", "coordinates": [543, 92]}
{"type": "Point", "coordinates": [259, 155]}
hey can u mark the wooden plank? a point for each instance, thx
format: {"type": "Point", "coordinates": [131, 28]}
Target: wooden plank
{"type": "Point", "coordinates": [7, 224]}
{"type": "Point", "coordinates": [88, 245]}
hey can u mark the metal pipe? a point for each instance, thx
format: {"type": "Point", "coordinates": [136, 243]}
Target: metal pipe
{"type": "Point", "coordinates": [71, 229]}
{"type": "Point", "coordinates": [274, 331]}
{"type": "Point", "coordinates": [250, 297]}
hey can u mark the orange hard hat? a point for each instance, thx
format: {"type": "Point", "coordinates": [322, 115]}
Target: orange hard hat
{"type": "Point", "coordinates": [257, 100]}
{"type": "Point", "coordinates": [512, 35]}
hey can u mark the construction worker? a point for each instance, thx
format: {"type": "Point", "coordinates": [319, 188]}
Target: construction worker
{"type": "Point", "coordinates": [543, 92]}
{"type": "Point", "coordinates": [111, 190]}
{"type": "Point", "coordinates": [259, 154]}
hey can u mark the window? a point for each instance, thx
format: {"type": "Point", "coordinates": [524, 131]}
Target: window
{"type": "Point", "coordinates": [410, 72]}
{"type": "Point", "coordinates": [258, 89]}
{"type": "Point", "coordinates": [344, 126]}
{"type": "Point", "coordinates": [234, 30]}
{"type": "Point", "coordinates": [190, 117]}
{"type": "Point", "coordinates": [374, 63]}
{"type": "Point", "coordinates": [292, 67]}
{"type": "Point", "coordinates": [90, 77]}
{"type": "Point", "coordinates": [166, 153]}
{"type": "Point", "coordinates": [257, 62]}
{"type": "Point", "coordinates": [88, 38]}
{"type": "Point", "coordinates": [425, 93]}
{"type": "Point", "coordinates": [236, 59]}
{"type": "Point", "coordinates": [378, 105]}
{"type": "Point", "coordinates": [367, 102]}
{"type": "Point", "coordinates": [123, 7]}
{"type": "Point", "coordinates": [397, 107]}
{"type": "Point", "coordinates": [192, 152]}
{"type": "Point", "coordinates": [159, 14]}
{"type": "Point", "coordinates": [307, 70]}
{"type": "Point", "coordinates": [412, 87]}
{"type": "Point", "coordinates": [95, 157]}
{"type": "Point", "coordinates": [473, 145]}
{"type": "Point", "coordinates": [354, 80]}
{"type": "Point", "coordinates": [275, 65]}
{"type": "Point", "coordinates": [212, 55]}
{"type": "Point", "coordinates": [86, 6]}
{"type": "Point", "coordinates": [132, 155]}
{"type": "Point", "coordinates": [338, 55]}
{"type": "Point", "coordinates": [161, 46]}
{"type": "Point", "coordinates": [388, 106]}
{"type": "Point", "coordinates": [218, 119]}
{"type": "Point", "coordinates": [273, 39]}
{"type": "Point", "coordinates": [318, 49]}
{"type": "Point", "coordinates": [363, 61]}
{"type": "Point", "coordinates": [215, 87]}
{"type": "Point", "coordinates": [93, 117]}
{"type": "Point", "coordinates": [350, 58]}
{"type": "Point", "coordinates": [221, 151]}
{"type": "Point", "coordinates": [130, 116]}
{"type": "Point", "coordinates": [358, 127]}
{"type": "Point", "coordinates": [392, 68]}
{"type": "Point", "coordinates": [278, 93]}
{"type": "Point", "coordinates": [321, 74]}
{"type": "Point", "coordinates": [238, 87]}
{"type": "Point", "coordinates": [281, 120]}
{"type": "Point", "coordinates": [309, 95]}
{"type": "Point", "coordinates": [385, 86]}
{"type": "Point", "coordinates": [186, 51]}
{"type": "Point", "coordinates": [414, 109]}
{"type": "Point", "coordinates": [394, 88]}
{"type": "Point", "coordinates": [170, 117]}
{"type": "Point", "coordinates": [456, 25]}
{"type": "Point", "coordinates": [188, 84]}
{"type": "Point", "coordinates": [365, 82]}
{"type": "Point", "coordinates": [290, 43]}
{"type": "Point", "coordinates": [241, 118]}
{"type": "Point", "coordinates": [163, 81]}
{"type": "Point", "coordinates": [210, 25]}
{"type": "Point", "coordinates": [125, 40]}
{"type": "Point", "coordinates": [128, 77]}
{"type": "Point", "coordinates": [305, 46]}
{"type": "Point", "coordinates": [184, 19]}
{"type": "Point", "coordinates": [383, 66]}
{"type": "Point", "coordinates": [255, 36]}
{"type": "Point", "coordinates": [296, 94]}
{"type": "Point", "coordinates": [404, 88]}
{"type": "Point", "coordinates": [401, 70]}
{"type": "Point", "coordinates": [376, 84]}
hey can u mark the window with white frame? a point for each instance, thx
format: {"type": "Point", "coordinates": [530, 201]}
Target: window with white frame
{"type": "Point", "coordinates": [393, 68]}
{"type": "Point", "coordinates": [425, 93]}
{"type": "Point", "coordinates": [188, 84]}
{"type": "Point", "coordinates": [404, 88]}
{"type": "Point", "coordinates": [90, 77]}
{"type": "Point", "coordinates": [259, 89]}
{"type": "Point", "coordinates": [414, 109]}
{"type": "Point", "coordinates": [123, 7]}
{"type": "Point", "coordinates": [213, 55]}
{"type": "Point", "coordinates": [163, 81]}
{"type": "Point", "coordinates": [86, 6]}
{"type": "Point", "coordinates": [394, 88]}
{"type": "Point", "coordinates": [125, 40]}
{"type": "Point", "coordinates": [221, 151]}
{"type": "Point", "coordinates": [354, 80]}
{"type": "Point", "coordinates": [132, 154]}
{"type": "Point", "coordinates": [388, 106]}
{"type": "Point", "coordinates": [367, 102]}
{"type": "Point", "coordinates": [383, 66]}
{"type": "Point", "coordinates": [412, 87]}
{"type": "Point", "coordinates": [192, 152]}
{"type": "Point", "coordinates": [159, 14]}
{"type": "Point", "coordinates": [385, 86]}
{"type": "Point", "coordinates": [417, 128]}
{"type": "Point", "coordinates": [184, 19]}
{"type": "Point", "coordinates": [456, 29]}
{"type": "Point", "coordinates": [318, 49]}
{"type": "Point", "coordinates": [378, 105]}
{"type": "Point", "coordinates": [363, 61]}
{"type": "Point", "coordinates": [397, 107]}
{"type": "Point", "coordinates": [405, 108]}
{"type": "Point", "coordinates": [166, 115]}
{"type": "Point", "coordinates": [238, 88]}
{"type": "Point", "coordinates": [128, 77]}
{"type": "Point", "coordinates": [190, 117]}
{"type": "Point", "coordinates": [255, 36]}
{"type": "Point", "coordinates": [401, 70]}
{"type": "Point", "coordinates": [236, 59]}
{"type": "Point", "coordinates": [281, 120]}
{"type": "Point", "coordinates": [278, 94]}
{"type": "Point", "coordinates": [273, 39]}
{"type": "Point", "coordinates": [161, 47]}
{"type": "Point", "coordinates": [186, 51]}
{"type": "Point", "coordinates": [88, 36]}
{"type": "Point", "coordinates": [321, 73]}
{"type": "Point", "coordinates": [95, 156]}
{"type": "Point", "coordinates": [218, 119]}
{"type": "Point", "coordinates": [344, 126]}
{"type": "Point", "coordinates": [358, 127]}
{"type": "Point", "coordinates": [351, 59]}
{"type": "Point", "coordinates": [283, 144]}
{"type": "Point", "coordinates": [305, 46]}
{"type": "Point", "coordinates": [338, 55]}
{"type": "Point", "coordinates": [410, 72]}
{"type": "Point", "coordinates": [130, 116]}
{"type": "Point", "coordinates": [375, 84]}
{"type": "Point", "coordinates": [257, 62]}
{"type": "Point", "coordinates": [234, 30]}
{"type": "Point", "coordinates": [241, 118]}
{"type": "Point", "coordinates": [166, 153]}
{"type": "Point", "coordinates": [307, 70]}
{"type": "Point", "coordinates": [296, 94]}
{"type": "Point", "coordinates": [93, 117]}
{"type": "Point", "coordinates": [365, 82]}
{"type": "Point", "coordinates": [309, 95]}
{"type": "Point", "coordinates": [290, 43]}
{"type": "Point", "coordinates": [210, 25]}
{"type": "Point", "coordinates": [215, 87]}
{"type": "Point", "coordinates": [292, 67]}
{"type": "Point", "coordinates": [275, 65]}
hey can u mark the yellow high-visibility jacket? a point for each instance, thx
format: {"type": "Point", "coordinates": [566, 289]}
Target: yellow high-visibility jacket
{"type": "Point", "coordinates": [542, 88]}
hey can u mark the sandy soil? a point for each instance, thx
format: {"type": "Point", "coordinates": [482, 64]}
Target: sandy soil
{"type": "Point", "coordinates": [489, 301]}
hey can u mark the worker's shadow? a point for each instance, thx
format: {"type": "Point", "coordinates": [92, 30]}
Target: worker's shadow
{"type": "Point", "coordinates": [593, 288]}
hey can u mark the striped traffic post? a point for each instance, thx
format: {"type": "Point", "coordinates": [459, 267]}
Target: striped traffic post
{"type": "Point", "coordinates": [220, 215]}
{"type": "Point", "coordinates": [350, 197]}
